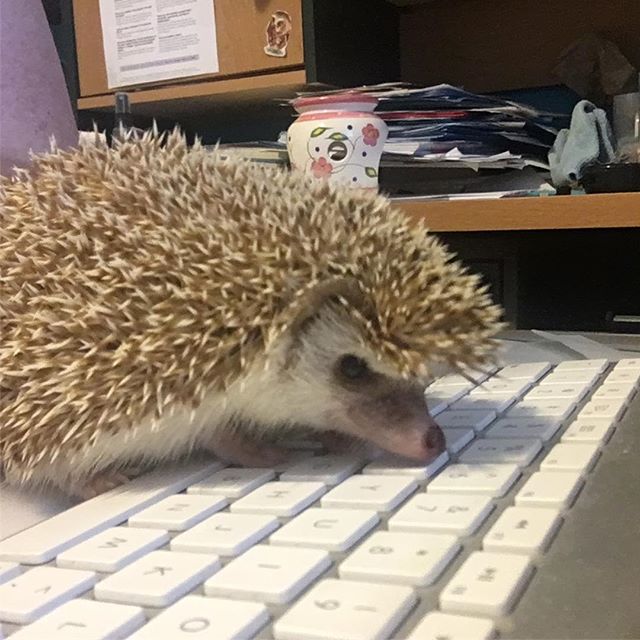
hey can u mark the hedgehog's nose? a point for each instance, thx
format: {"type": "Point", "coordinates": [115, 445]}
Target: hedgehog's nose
{"type": "Point", "coordinates": [434, 440]}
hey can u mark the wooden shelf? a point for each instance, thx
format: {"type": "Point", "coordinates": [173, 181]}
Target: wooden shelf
{"type": "Point", "coordinates": [193, 98]}
{"type": "Point", "coordinates": [594, 211]}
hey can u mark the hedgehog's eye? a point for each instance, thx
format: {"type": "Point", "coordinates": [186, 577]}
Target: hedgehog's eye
{"type": "Point", "coordinates": [352, 367]}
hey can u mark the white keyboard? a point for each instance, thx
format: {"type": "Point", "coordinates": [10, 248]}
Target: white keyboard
{"type": "Point", "coordinates": [331, 547]}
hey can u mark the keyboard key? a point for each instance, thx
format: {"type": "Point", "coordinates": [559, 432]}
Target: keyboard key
{"type": "Point", "coordinates": [442, 513]}
{"type": "Point", "coordinates": [487, 583]}
{"type": "Point", "coordinates": [280, 498]}
{"type": "Point", "coordinates": [437, 401]}
{"type": "Point", "coordinates": [85, 620]}
{"type": "Point", "coordinates": [37, 591]}
{"type": "Point", "coordinates": [206, 619]}
{"type": "Point", "coordinates": [401, 558]}
{"type": "Point", "coordinates": [615, 391]}
{"type": "Point", "coordinates": [458, 439]}
{"type": "Point", "coordinates": [628, 376]}
{"type": "Point", "coordinates": [330, 529]}
{"type": "Point", "coordinates": [560, 409]}
{"type": "Point", "coordinates": [589, 430]}
{"type": "Point", "coordinates": [112, 549]}
{"type": "Point", "coordinates": [446, 626]}
{"type": "Point", "coordinates": [337, 609]}
{"type": "Point", "coordinates": [178, 513]}
{"type": "Point", "coordinates": [598, 365]}
{"type": "Point", "coordinates": [522, 530]}
{"type": "Point", "coordinates": [226, 534]}
{"type": "Point", "coordinates": [495, 402]}
{"type": "Point", "coordinates": [612, 409]}
{"type": "Point", "coordinates": [578, 376]}
{"type": "Point", "coordinates": [548, 489]}
{"type": "Point", "coordinates": [542, 428]}
{"type": "Point", "coordinates": [628, 363]}
{"type": "Point", "coordinates": [158, 579]}
{"type": "Point", "coordinates": [488, 479]}
{"type": "Point", "coordinates": [529, 370]}
{"type": "Point", "coordinates": [472, 418]}
{"type": "Point", "coordinates": [330, 469]}
{"type": "Point", "coordinates": [232, 482]}
{"type": "Point", "coordinates": [573, 392]}
{"type": "Point", "coordinates": [570, 457]}
{"type": "Point", "coordinates": [395, 466]}
{"type": "Point", "coordinates": [269, 574]}
{"type": "Point", "coordinates": [520, 451]}
{"type": "Point", "coordinates": [9, 570]}
{"type": "Point", "coordinates": [451, 380]}
{"type": "Point", "coordinates": [500, 386]}
{"type": "Point", "coordinates": [46, 540]}
{"type": "Point", "coordinates": [380, 493]}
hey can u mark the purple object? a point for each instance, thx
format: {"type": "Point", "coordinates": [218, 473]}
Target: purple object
{"type": "Point", "coordinates": [34, 102]}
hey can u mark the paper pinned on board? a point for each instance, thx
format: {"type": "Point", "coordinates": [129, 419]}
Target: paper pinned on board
{"type": "Point", "coordinates": [155, 40]}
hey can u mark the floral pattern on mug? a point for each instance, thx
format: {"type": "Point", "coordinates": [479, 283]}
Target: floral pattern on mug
{"type": "Point", "coordinates": [370, 135]}
{"type": "Point", "coordinates": [321, 168]}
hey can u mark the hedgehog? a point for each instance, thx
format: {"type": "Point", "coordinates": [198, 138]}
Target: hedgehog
{"type": "Point", "coordinates": [158, 298]}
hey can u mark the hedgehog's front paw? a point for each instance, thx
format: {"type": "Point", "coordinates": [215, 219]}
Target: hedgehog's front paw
{"type": "Point", "coordinates": [100, 483]}
{"type": "Point", "coordinates": [239, 449]}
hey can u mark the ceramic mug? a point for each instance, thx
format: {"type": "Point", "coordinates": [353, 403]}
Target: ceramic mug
{"type": "Point", "coordinates": [337, 137]}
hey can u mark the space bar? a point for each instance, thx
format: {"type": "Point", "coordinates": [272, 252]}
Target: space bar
{"type": "Point", "coordinates": [45, 540]}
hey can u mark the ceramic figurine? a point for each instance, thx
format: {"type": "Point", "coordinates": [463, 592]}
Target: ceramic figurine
{"type": "Point", "coordinates": [337, 137]}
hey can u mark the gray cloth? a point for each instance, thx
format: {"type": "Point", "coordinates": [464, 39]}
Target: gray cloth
{"type": "Point", "coordinates": [589, 140]}
{"type": "Point", "coordinates": [34, 102]}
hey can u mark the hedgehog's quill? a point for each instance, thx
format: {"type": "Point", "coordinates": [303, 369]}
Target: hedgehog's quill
{"type": "Point", "coordinates": [156, 298]}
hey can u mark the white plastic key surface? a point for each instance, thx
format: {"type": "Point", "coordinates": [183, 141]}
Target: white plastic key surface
{"type": "Point", "coordinates": [446, 626]}
{"type": "Point", "coordinates": [628, 363]}
{"type": "Point", "coordinates": [232, 482]}
{"type": "Point", "coordinates": [269, 574]}
{"type": "Point", "coordinates": [178, 513]}
{"type": "Point", "coordinates": [522, 530]}
{"type": "Point", "coordinates": [329, 469]}
{"type": "Point", "coordinates": [497, 402]}
{"type": "Point", "coordinates": [37, 591]}
{"type": "Point", "coordinates": [394, 466]}
{"type": "Point", "coordinates": [536, 408]}
{"type": "Point", "coordinates": [612, 409]}
{"type": "Point", "coordinates": [458, 439]}
{"type": "Point", "coordinates": [338, 609]}
{"type": "Point", "coordinates": [575, 365]}
{"type": "Point", "coordinates": [520, 451]}
{"type": "Point", "coordinates": [501, 386]}
{"type": "Point", "coordinates": [85, 620]}
{"type": "Point", "coordinates": [330, 529]}
{"type": "Point", "coordinates": [443, 513]}
{"type": "Point", "coordinates": [280, 498]}
{"type": "Point", "coordinates": [543, 428]}
{"type": "Point", "coordinates": [9, 570]}
{"type": "Point", "coordinates": [206, 619]}
{"type": "Point", "coordinates": [530, 370]}
{"type": "Point", "coordinates": [615, 391]}
{"type": "Point", "coordinates": [225, 534]}
{"type": "Point", "coordinates": [550, 489]}
{"type": "Point", "coordinates": [488, 479]}
{"type": "Point", "coordinates": [46, 540]}
{"type": "Point", "coordinates": [572, 376]}
{"type": "Point", "coordinates": [476, 419]}
{"type": "Point", "coordinates": [437, 400]}
{"type": "Point", "coordinates": [570, 457]}
{"type": "Point", "coordinates": [401, 558]}
{"type": "Point", "coordinates": [623, 376]}
{"type": "Point", "coordinates": [380, 493]}
{"type": "Point", "coordinates": [451, 380]}
{"type": "Point", "coordinates": [559, 391]}
{"type": "Point", "coordinates": [487, 583]}
{"type": "Point", "coordinates": [112, 549]}
{"type": "Point", "coordinates": [593, 430]}
{"type": "Point", "coordinates": [158, 579]}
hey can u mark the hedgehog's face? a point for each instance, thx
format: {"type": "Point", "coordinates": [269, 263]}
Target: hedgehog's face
{"type": "Point", "coordinates": [336, 383]}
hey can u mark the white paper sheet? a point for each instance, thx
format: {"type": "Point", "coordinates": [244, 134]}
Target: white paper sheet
{"type": "Point", "coordinates": [154, 40]}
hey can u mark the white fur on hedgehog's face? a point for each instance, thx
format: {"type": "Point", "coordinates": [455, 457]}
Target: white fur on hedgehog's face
{"type": "Point", "coordinates": [324, 378]}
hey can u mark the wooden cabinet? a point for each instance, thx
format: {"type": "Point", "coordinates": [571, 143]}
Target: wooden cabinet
{"type": "Point", "coordinates": [241, 28]}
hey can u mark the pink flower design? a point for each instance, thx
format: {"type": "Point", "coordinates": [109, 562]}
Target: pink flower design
{"type": "Point", "coordinates": [371, 135]}
{"type": "Point", "coordinates": [321, 168]}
